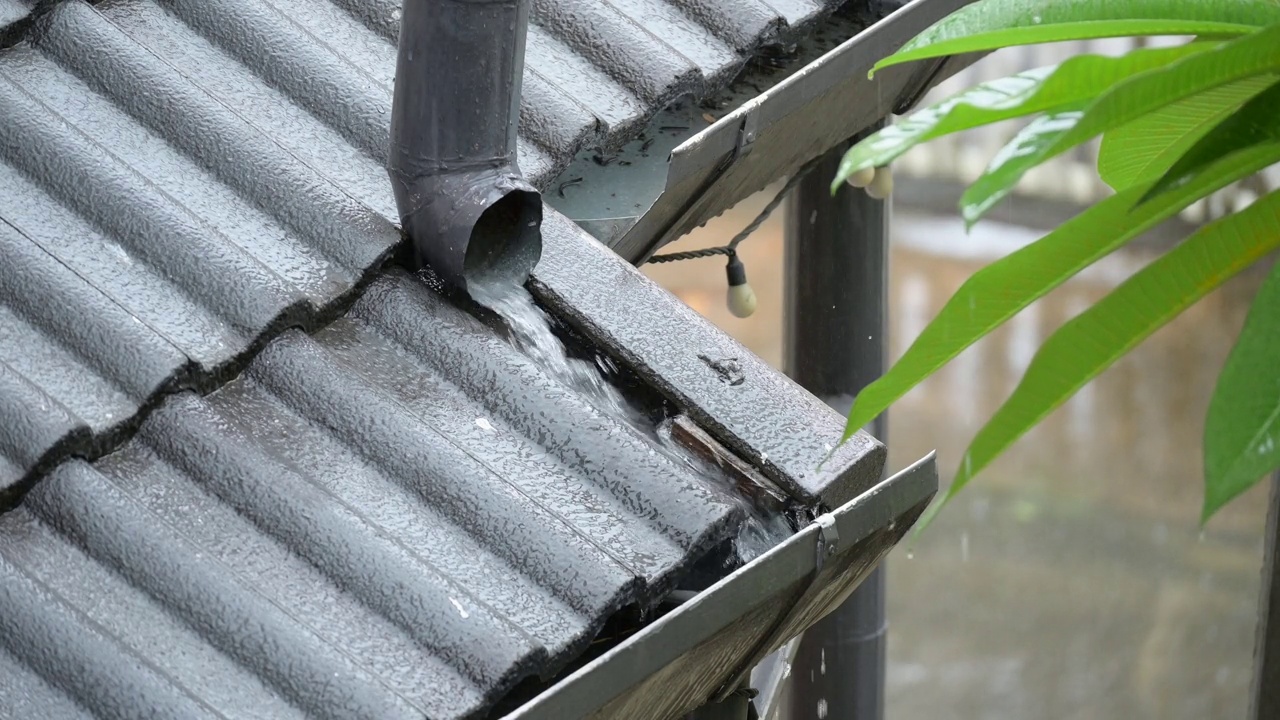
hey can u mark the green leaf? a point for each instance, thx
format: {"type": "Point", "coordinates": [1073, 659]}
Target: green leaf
{"type": "Point", "coordinates": [994, 24]}
{"type": "Point", "coordinates": [999, 291]}
{"type": "Point", "coordinates": [1074, 82]}
{"type": "Point", "coordinates": [1242, 430]}
{"type": "Point", "coordinates": [1127, 101]}
{"type": "Point", "coordinates": [1092, 341]}
{"type": "Point", "coordinates": [1144, 149]}
{"type": "Point", "coordinates": [1256, 122]}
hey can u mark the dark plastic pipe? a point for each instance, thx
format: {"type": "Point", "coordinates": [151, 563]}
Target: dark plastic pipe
{"type": "Point", "coordinates": [835, 327]}
{"type": "Point", "coordinates": [1266, 654]}
{"type": "Point", "coordinates": [462, 199]}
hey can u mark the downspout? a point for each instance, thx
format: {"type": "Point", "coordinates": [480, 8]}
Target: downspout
{"type": "Point", "coordinates": [462, 199]}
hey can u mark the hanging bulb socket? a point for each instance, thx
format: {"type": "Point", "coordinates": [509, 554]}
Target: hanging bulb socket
{"type": "Point", "coordinates": [741, 298]}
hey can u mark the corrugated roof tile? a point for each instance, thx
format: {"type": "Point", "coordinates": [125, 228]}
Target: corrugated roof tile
{"type": "Point", "coordinates": [335, 532]}
{"type": "Point", "coordinates": [381, 508]}
{"type": "Point", "coordinates": [186, 178]}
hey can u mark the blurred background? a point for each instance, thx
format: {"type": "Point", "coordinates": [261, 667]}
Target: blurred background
{"type": "Point", "coordinates": [1072, 579]}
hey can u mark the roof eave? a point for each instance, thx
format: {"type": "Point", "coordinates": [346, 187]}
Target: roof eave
{"type": "Point", "coordinates": [706, 645]}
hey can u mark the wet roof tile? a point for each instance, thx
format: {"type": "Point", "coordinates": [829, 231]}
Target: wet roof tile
{"type": "Point", "coordinates": [186, 178]}
{"type": "Point", "coordinates": [370, 521]}
{"type": "Point", "coordinates": [371, 504]}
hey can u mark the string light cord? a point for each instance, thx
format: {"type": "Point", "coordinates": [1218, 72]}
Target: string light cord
{"type": "Point", "coordinates": [741, 298]}
{"type": "Point", "coordinates": [731, 248]}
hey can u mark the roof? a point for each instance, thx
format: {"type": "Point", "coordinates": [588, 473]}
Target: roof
{"type": "Point", "coordinates": [709, 643]}
{"type": "Point", "coordinates": [368, 522]}
{"type": "Point", "coordinates": [185, 179]}
{"type": "Point", "coordinates": [268, 472]}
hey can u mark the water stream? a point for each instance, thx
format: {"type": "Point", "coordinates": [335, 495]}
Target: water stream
{"type": "Point", "coordinates": [532, 334]}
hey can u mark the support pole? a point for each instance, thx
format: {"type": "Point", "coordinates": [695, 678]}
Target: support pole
{"type": "Point", "coordinates": [835, 325]}
{"type": "Point", "coordinates": [1266, 676]}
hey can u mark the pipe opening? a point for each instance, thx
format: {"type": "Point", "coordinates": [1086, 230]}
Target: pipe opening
{"type": "Point", "coordinates": [506, 241]}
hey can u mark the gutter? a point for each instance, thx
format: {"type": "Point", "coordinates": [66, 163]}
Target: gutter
{"type": "Point", "coordinates": [801, 118]}
{"type": "Point", "coordinates": [708, 645]}
{"type": "Point", "coordinates": [771, 135]}
{"type": "Point", "coordinates": [462, 199]}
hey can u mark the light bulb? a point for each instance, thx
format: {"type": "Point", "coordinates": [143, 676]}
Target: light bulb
{"type": "Point", "coordinates": [862, 178]}
{"type": "Point", "coordinates": [740, 298]}
{"type": "Point", "coordinates": [881, 185]}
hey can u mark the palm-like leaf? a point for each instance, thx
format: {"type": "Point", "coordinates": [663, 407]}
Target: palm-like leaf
{"type": "Point", "coordinates": [1091, 342]}
{"type": "Point", "coordinates": [1242, 430]}
{"type": "Point", "coordinates": [1178, 124]}
{"type": "Point", "coordinates": [1256, 122]}
{"type": "Point", "coordinates": [1002, 289]}
{"type": "Point", "coordinates": [1147, 147]}
{"type": "Point", "coordinates": [1129, 100]}
{"type": "Point", "coordinates": [1069, 85]}
{"type": "Point", "coordinates": [994, 24]}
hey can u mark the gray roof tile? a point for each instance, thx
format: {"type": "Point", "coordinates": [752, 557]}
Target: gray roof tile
{"type": "Point", "coordinates": [377, 507]}
{"type": "Point", "coordinates": [367, 522]}
{"type": "Point", "coordinates": [186, 178]}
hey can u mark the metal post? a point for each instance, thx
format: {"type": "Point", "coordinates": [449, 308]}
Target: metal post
{"type": "Point", "coordinates": [1266, 677]}
{"type": "Point", "coordinates": [836, 279]}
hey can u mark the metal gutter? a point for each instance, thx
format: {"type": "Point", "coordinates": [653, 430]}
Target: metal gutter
{"type": "Point", "coordinates": [704, 647]}
{"type": "Point", "coordinates": [461, 196]}
{"type": "Point", "coordinates": [778, 131]}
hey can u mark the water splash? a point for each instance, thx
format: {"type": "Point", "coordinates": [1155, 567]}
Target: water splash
{"type": "Point", "coordinates": [531, 333]}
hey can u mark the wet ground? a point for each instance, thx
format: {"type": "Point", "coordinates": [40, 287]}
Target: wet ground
{"type": "Point", "coordinates": [1072, 579]}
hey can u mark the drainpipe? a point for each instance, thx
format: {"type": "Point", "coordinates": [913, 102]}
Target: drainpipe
{"type": "Point", "coordinates": [835, 326]}
{"type": "Point", "coordinates": [462, 199]}
{"type": "Point", "coordinates": [1266, 655]}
